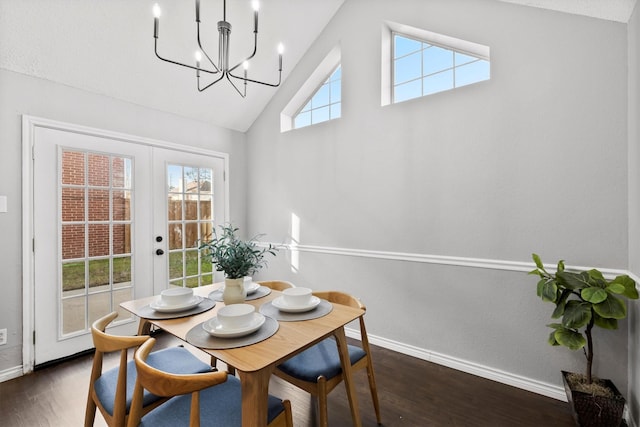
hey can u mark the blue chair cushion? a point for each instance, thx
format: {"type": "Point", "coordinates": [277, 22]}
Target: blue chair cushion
{"type": "Point", "coordinates": [176, 360]}
{"type": "Point", "coordinates": [220, 406]}
{"type": "Point", "coordinates": [321, 359]}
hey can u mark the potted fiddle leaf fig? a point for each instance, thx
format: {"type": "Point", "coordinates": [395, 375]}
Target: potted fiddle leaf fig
{"type": "Point", "coordinates": [235, 257]}
{"type": "Point", "coordinates": [584, 300]}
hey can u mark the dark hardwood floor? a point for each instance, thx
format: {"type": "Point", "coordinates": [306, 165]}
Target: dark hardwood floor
{"type": "Point", "coordinates": [412, 392]}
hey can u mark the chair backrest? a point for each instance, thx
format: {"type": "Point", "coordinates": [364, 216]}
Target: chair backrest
{"type": "Point", "coordinates": [105, 343]}
{"type": "Point", "coordinates": [165, 384]}
{"type": "Point", "coordinates": [343, 298]}
{"type": "Point", "coordinates": [277, 285]}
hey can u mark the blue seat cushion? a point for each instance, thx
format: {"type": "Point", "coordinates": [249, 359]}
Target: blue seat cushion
{"type": "Point", "coordinates": [220, 406]}
{"type": "Point", "coordinates": [176, 360]}
{"type": "Point", "coordinates": [321, 359]}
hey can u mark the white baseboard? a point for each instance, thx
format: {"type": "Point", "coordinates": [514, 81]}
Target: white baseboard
{"type": "Point", "coordinates": [11, 373]}
{"type": "Point", "coordinates": [520, 382]}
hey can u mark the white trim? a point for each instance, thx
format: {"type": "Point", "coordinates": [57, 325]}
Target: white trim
{"type": "Point", "coordinates": [29, 124]}
{"type": "Point", "coordinates": [517, 381]}
{"type": "Point", "coordinates": [492, 264]}
{"type": "Point", "coordinates": [11, 373]}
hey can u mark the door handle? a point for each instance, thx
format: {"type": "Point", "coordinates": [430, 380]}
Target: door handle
{"type": "Point", "coordinates": [159, 252]}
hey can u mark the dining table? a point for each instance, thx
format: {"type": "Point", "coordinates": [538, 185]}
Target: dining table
{"type": "Point", "coordinates": [255, 363]}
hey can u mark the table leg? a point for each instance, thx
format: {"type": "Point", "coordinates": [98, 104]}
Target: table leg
{"type": "Point", "coordinates": [144, 327]}
{"type": "Point", "coordinates": [255, 389]}
{"type": "Point", "coordinates": [341, 339]}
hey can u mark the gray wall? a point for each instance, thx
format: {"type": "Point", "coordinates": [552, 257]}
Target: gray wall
{"type": "Point", "coordinates": [534, 160]}
{"type": "Point", "coordinates": [634, 208]}
{"type": "Point", "coordinates": [20, 95]}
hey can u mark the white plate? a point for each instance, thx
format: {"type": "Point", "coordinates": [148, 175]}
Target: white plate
{"type": "Point", "coordinates": [165, 308]}
{"type": "Point", "coordinates": [281, 305]}
{"type": "Point", "coordinates": [254, 287]}
{"type": "Point", "coordinates": [213, 327]}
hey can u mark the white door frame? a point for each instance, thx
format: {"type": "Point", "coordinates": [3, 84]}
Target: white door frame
{"type": "Point", "coordinates": [29, 125]}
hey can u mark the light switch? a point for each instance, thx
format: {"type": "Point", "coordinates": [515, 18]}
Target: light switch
{"type": "Point", "coordinates": [3, 203]}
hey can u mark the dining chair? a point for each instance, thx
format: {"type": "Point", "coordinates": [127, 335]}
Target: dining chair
{"type": "Point", "coordinates": [112, 390]}
{"type": "Point", "coordinates": [277, 285]}
{"type": "Point", "coordinates": [212, 399]}
{"type": "Point", "coordinates": [318, 370]}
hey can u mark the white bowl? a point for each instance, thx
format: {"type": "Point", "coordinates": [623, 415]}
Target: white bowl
{"type": "Point", "coordinates": [176, 296]}
{"type": "Point", "coordinates": [236, 316]}
{"type": "Point", "coordinates": [247, 283]}
{"type": "Point", "coordinates": [297, 297]}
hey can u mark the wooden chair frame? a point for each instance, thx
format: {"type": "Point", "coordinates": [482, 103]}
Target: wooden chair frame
{"type": "Point", "coordinates": [105, 343]}
{"type": "Point", "coordinates": [323, 386]}
{"type": "Point", "coordinates": [165, 384]}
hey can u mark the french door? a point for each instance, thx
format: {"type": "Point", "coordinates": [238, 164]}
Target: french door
{"type": "Point", "coordinates": [113, 220]}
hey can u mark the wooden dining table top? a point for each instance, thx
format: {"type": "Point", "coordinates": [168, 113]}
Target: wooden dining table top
{"type": "Point", "coordinates": [291, 337]}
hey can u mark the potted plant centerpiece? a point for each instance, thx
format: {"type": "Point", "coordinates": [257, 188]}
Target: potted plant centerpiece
{"type": "Point", "coordinates": [584, 300]}
{"type": "Point", "coordinates": [237, 258]}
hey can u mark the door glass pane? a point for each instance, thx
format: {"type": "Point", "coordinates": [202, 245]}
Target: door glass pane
{"type": "Point", "coordinates": [98, 239]}
{"type": "Point", "coordinates": [90, 238]}
{"type": "Point", "coordinates": [121, 239]}
{"type": "Point", "coordinates": [175, 236]}
{"type": "Point", "coordinates": [73, 202]}
{"type": "Point", "coordinates": [98, 205]}
{"type": "Point", "coordinates": [73, 278]}
{"type": "Point", "coordinates": [190, 216]}
{"type": "Point", "coordinates": [121, 205]}
{"type": "Point", "coordinates": [175, 265]}
{"type": "Point", "coordinates": [72, 241]}
{"type": "Point", "coordinates": [121, 272]}
{"type": "Point", "coordinates": [73, 315]}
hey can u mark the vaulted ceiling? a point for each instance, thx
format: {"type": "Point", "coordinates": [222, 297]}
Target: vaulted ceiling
{"type": "Point", "coordinates": [106, 47]}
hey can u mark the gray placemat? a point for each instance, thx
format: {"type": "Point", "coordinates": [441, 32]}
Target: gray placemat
{"type": "Point", "coordinates": [268, 309]}
{"type": "Point", "coordinates": [147, 312]}
{"type": "Point", "coordinates": [198, 337]}
{"type": "Point", "coordinates": [262, 291]}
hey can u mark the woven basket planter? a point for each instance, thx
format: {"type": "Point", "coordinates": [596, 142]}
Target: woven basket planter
{"type": "Point", "coordinates": [595, 411]}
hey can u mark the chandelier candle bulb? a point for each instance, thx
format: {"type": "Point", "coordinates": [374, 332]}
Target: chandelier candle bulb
{"type": "Point", "coordinates": [156, 19]}
{"type": "Point", "coordinates": [256, 7]}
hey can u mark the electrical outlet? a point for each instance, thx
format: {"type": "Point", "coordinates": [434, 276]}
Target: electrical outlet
{"type": "Point", "coordinates": [3, 336]}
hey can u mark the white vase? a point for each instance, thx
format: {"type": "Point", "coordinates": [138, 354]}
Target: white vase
{"type": "Point", "coordinates": [234, 292]}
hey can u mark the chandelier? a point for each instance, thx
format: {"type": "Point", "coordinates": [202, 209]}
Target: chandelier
{"type": "Point", "coordinates": [222, 70]}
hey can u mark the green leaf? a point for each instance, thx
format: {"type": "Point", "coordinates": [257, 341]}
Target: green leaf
{"type": "Point", "coordinates": [611, 308]}
{"type": "Point", "coordinates": [568, 338]}
{"type": "Point", "coordinates": [552, 339]}
{"type": "Point", "coordinates": [593, 294]}
{"type": "Point", "coordinates": [538, 262]}
{"type": "Point", "coordinates": [560, 265]}
{"type": "Point", "coordinates": [560, 305]}
{"type": "Point", "coordinates": [605, 323]}
{"type": "Point", "coordinates": [573, 281]}
{"type": "Point", "coordinates": [576, 314]}
{"type": "Point", "coordinates": [596, 275]}
{"type": "Point", "coordinates": [547, 290]}
{"type": "Point", "coordinates": [630, 290]}
{"type": "Point", "coordinates": [615, 288]}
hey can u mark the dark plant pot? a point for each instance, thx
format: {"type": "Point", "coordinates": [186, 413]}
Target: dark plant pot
{"type": "Point", "coordinates": [595, 411]}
